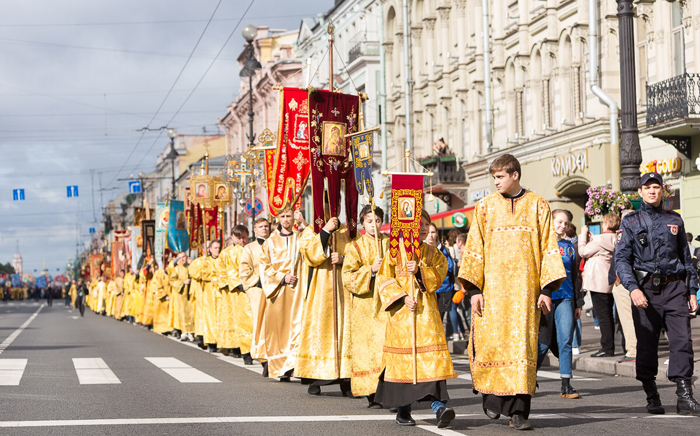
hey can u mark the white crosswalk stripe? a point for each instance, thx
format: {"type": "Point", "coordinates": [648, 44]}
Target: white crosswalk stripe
{"type": "Point", "coordinates": [181, 371]}
{"type": "Point", "coordinates": [94, 371]}
{"type": "Point", "coordinates": [11, 371]}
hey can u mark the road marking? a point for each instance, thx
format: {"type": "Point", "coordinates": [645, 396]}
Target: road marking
{"type": "Point", "coordinates": [441, 431]}
{"type": "Point", "coordinates": [316, 418]}
{"type": "Point", "coordinates": [94, 371]}
{"type": "Point", "coordinates": [6, 343]}
{"type": "Point", "coordinates": [181, 371]}
{"type": "Point", "coordinates": [11, 371]}
{"type": "Point", "coordinates": [255, 367]}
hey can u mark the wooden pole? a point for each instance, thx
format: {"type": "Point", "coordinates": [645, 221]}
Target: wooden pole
{"type": "Point", "coordinates": [335, 307]}
{"type": "Point", "coordinates": [413, 325]}
{"type": "Point", "coordinates": [331, 30]}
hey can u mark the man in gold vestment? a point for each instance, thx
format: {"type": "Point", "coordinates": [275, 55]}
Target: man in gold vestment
{"type": "Point", "coordinates": [204, 270]}
{"type": "Point", "coordinates": [233, 312]}
{"type": "Point", "coordinates": [173, 318]}
{"type": "Point", "coordinates": [129, 294]}
{"type": "Point", "coordinates": [100, 293]}
{"type": "Point", "coordinates": [249, 274]}
{"type": "Point", "coordinates": [160, 288]}
{"type": "Point", "coordinates": [280, 283]}
{"type": "Point", "coordinates": [510, 266]}
{"type": "Point", "coordinates": [368, 320]}
{"type": "Point", "coordinates": [194, 270]}
{"type": "Point", "coordinates": [324, 352]}
{"type": "Point", "coordinates": [407, 290]}
{"type": "Point", "coordinates": [180, 292]}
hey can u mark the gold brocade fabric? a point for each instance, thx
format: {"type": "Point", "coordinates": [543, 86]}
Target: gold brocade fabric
{"type": "Point", "coordinates": [197, 300]}
{"type": "Point", "coordinates": [249, 274]}
{"type": "Point", "coordinates": [433, 361]}
{"type": "Point", "coordinates": [209, 301]}
{"type": "Point", "coordinates": [511, 254]}
{"type": "Point", "coordinates": [282, 315]}
{"type": "Point", "coordinates": [234, 317]}
{"type": "Point", "coordinates": [129, 294]}
{"type": "Point", "coordinates": [101, 293]}
{"type": "Point", "coordinates": [318, 358]}
{"type": "Point", "coordinates": [119, 299]}
{"type": "Point", "coordinates": [173, 318]}
{"type": "Point", "coordinates": [179, 292]}
{"type": "Point", "coordinates": [160, 289]}
{"type": "Point", "coordinates": [368, 320]}
{"type": "Point", "coordinates": [110, 294]}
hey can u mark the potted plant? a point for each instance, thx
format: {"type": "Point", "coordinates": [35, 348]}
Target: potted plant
{"type": "Point", "coordinates": [636, 200]}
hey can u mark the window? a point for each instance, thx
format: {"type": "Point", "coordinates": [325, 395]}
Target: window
{"type": "Point", "coordinates": [678, 39]}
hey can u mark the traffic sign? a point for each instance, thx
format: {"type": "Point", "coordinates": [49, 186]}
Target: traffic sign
{"type": "Point", "coordinates": [92, 230]}
{"type": "Point", "coordinates": [135, 187]}
{"type": "Point", "coordinates": [249, 208]}
{"type": "Point", "coordinates": [18, 194]}
{"type": "Point", "coordinates": [72, 191]}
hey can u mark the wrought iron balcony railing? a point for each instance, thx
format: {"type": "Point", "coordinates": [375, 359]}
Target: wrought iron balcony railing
{"type": "Point", "coordinates": [363, 48]}
{"type": "Point", "coordinates": [677, 97]}
{"type": "Point", "coordinates": [446, 170]}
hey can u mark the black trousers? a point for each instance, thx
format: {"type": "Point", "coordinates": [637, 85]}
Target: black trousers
{"type": "Point", "coordinates": [603, 307]}
{"type": "Point", "coordinates": [669, 308]}
{"type": "Point", "coordinates": [80, 304]}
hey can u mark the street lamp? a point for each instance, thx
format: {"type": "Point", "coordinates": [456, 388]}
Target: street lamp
{"type": "Point", "coordinates": [251, 64]}
{"type": "Point", "coordinates": [172, 155]}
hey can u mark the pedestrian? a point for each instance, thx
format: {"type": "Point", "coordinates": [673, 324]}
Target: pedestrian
{"type": "Point", "coordinates": [465, 305]}
{"type": "Point", "coordinates": [654, 264]}
{"type": "Point", "coordinates": [446, 291]}
{"type": "Point", "coordinates": [694, 252]}
{"type": "Point", "coordinates": [571, 236]}
{"type": "Point", "coordinates": [510, 267]}
{"type": "Point", "coordinates": [558, 326]}
{"type": "Point", "coordinates": [598, 251]}
{"type": "Point", "coordinates": [49, 296]}
{"type": "Point", "coordinates": [80, 298]}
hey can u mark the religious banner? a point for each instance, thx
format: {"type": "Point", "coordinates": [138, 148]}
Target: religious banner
{"type": "Point", "coordinates": [291, 168]}
{"type": "Point", "coordinates": [178, 239]}
{"type": "Point", "coordinates": [270, 162]}
{"type": "Point", "coordinates": [332, 116]}
{"type": "Point", "coordinates": [118, 259]}
{"type": "Point", "coordinates": [362, 145]}
{"type": "Point", "coordinates": [148, 232]}
{"type": "Point", "coordinates": [161, 220]}
{"type": "Point", "coordinates": [95, 264]}
{"type": "Point", "coordinates": [211, 223]}
{"type": "Point", "coordinates": [16, 280]}
{"type": "Point", "coordinates": [406, 208]}
{"type": "Point", "coordinates": [136, 247]}
{"type": "Point", "coordinates": [41, 281]}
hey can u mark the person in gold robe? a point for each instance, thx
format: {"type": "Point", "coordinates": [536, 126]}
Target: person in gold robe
{"type": "Point", "coordinates": [180, 291]}
{"type": "Point", "coordinates": [510, 266]}
{"type": "Point", "coordinates": [73, 293]}
{"type": "Point", "coordinates": [407, 290]}
{"type": "Point", "coordinates": [205, 272]}
{"type": "Point", "coordinates": [194, 270]}
{"type": "Point", "coordinates": [234, 319]}
{"type": "Point", "coordinates": [324, 348]}
{"type": "Point", "coordinates": [249, 274]}
{"type": "Point", "coordinates": [100, 296]}
{"type": "Point", "coordinates": [159, 287]}
{"type": "Point", "coordinates": [118, 300]}
{"type": "Point", "coordinates": [173, 318]}
{"type": "Point", "coordinates": [129, 295]}
{"type": "Point", "coordinates": [280, 283]}
{"type": "Point", "coordinates": [368, 320]}
{"type": "Point", "coordinates": [145, 279]}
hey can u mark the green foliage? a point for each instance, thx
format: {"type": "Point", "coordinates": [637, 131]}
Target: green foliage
{"type": "Point", "coordinates": [7, 268]}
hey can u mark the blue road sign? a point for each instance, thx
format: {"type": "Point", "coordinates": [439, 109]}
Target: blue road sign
{"type": "Point", "coordinates": [18, 194]}
{"type": "Point", "coordinates": [135, 187]}
{"type": "Point", "coordinates": [72, 191]}
{"type": "Point", "coordinates": [92, 230]}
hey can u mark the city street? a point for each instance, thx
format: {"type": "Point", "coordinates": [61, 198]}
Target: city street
{"type": "Point", "coordinates": [63, 374]}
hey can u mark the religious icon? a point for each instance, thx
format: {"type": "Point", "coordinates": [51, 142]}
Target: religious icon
{"type": "Point", "coordinates": [139, 241]}
{"type": "Point", "coordinates": [180, 220]}
{"type": "Point", "coordinates": [163, 218]}
{"type": "Point", "coordinates": [202, 190]}
{"type": "Point", "coordinates": [301, 131]}
{"type": "Point", "coordinates": [334, 138]}
{"type": "Point", "coordinates": [187, 198]}
{"type": "Point", "coordinates": [364, 151]}
{"type": "Point", "coordinates": [407, 206]}
{"type": "Point", "coordinates": [221, 192]}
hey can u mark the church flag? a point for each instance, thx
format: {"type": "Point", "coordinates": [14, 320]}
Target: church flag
{"type": "Point", "coordinates": [162, 215]}
{"type": "Point", "coordinates": [332, 116]}
{"type": "Point", "coordinates": [406, 208]}
{"type": "Point", "coordinates": [362, 145]}
{"type": "Point", "coordinates": [291, 168]}
{"type": "Point", "coordinates": [136, 247]}
{"type": "Point", "coordinates": [178, 239]}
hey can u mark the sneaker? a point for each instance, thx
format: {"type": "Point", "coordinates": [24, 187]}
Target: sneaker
{"type": "Point", "coordinates": [519, 422]}
{"type": "Point", "coordinates": [666, 361]}
{"type": "Point", "coordinates": [569, 392]}
{"type": "Point", "coordinates": [444, 416]}
{"type": "Point", "coordinates": [597, 327]}
{"type": "Point", "coordinates": [576, 351]}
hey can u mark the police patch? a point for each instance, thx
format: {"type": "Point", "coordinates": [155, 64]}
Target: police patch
{"type": "Point", "coordinates": [673, 229]}
{"type": "Point", "coordinates": [619, 236]}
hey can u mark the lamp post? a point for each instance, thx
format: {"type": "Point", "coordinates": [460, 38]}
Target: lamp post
{"type": "Point", "coordinates": [630, 151]}
{"type": "Point", "coordinates": [249, 32]}
{"type": "Point", "coordinates": [172, 155]}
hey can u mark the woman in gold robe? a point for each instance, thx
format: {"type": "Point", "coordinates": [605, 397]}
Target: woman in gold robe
{"type": "Point", "coordinates": [368, 320]}
{"type": "Point", "coordinates": [407, 290]}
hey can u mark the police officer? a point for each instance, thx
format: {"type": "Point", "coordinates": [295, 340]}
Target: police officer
{"type": "Point", "coordinates": [653, 262]}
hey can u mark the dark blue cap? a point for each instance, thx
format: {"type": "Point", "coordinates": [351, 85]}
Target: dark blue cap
{"type": "Point", "coordinates": [651, 176]}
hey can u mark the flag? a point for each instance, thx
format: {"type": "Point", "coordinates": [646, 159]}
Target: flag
{"type": "Point", "coordinates": [41, 281]}
{"type": "Point", "coordinates": [162, 215]}
{"type": "Point", "coordinates": [16, 280]}
{"type": "Point", "coordinates": [118, 258]}
{"type": "Point", "coordinates": [406, 208]}
{"type": "Point", "coordinates": [148, 232]}
{"type": "Point", "coordinates": [291, 168]}
{"type": "Point", "coordinates": [211, 223]}
{"type": "Point", "coordinates": [362, 145]}
{"type": "Point", "coordinates": [136, 247]}
{"type": "Point", "coordinates": [332, 116]}
{"type": "Point", "coordinates": [95, 263]}
{"type": "Point", "coordinates": [178, 239]}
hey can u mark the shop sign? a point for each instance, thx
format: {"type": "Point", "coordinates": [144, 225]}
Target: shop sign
{"type": "Point", "coordinates": [478, 195]}
{"type": "Point", "coordinates": [459, 220]}
{"type": "Point", "coordinates": [570, 163]}
{"type": "Point", "coordinates": [663, 167]}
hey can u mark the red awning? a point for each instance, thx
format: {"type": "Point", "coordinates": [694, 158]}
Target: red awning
{"type": "Point", "coordinates": [387, 227]}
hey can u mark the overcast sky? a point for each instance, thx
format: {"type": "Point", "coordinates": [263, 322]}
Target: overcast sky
{"type": "Point", "coordinates": [77, 81]}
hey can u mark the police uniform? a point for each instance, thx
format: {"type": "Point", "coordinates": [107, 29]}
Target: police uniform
{"type": "Point", "coordinates": [652, 255]}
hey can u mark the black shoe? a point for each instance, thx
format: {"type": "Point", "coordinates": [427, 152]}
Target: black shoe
{"type": "Point", "coordinates": [346, 389]}
{"type": "Point", "coordinates": [518, 422]}
{"type": "Point", "coordinates": [247, 359]}
{"type": "Point", "coordinates": [653, 400]}
{"type": "Point", "coordinates": [393, 410]}
{"type": "Point", "coordinates": [686, 403]}
{"type": "Point", "coordinates": [569, 392]}
{"type": "Point", "coordinates": [405, 419]}
{"type": "Point", "coordinates": [601, 353]}
{"type": "Point", "coordinates": [265, 372]}
{"type": "Point", "coordinates": [444, 416]}
{"type": "Point", "coordinates": [225, 351]}
{"type": "Point", "coordinates": [314, 390]}
{"type": "Point", "coordinates": [236, 352]}
{"type": "Point", "coordinates": [491, 414]}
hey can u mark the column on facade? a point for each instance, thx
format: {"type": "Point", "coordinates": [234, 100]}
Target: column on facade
{"type": "Point", "coordinates": [429, 28]}
{"type": "Point", "coordinates": [445, 46]}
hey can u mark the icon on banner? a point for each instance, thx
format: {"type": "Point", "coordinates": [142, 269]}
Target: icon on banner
{"type": "Point", "coordinates": [135, 187]}
{"type": "Point", "coordinates": [72, 191]}
{"type": "Point", "coordinates": [253, 210]}
{"type": "Point", "coordinates": [18, 194]}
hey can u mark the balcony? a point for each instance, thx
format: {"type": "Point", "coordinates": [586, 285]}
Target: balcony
{"type": "Point", "coordinates": [363, 48]}
{"type": "Point", "coordinates": [446, 171]}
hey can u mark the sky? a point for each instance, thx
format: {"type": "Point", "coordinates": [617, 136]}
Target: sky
{"type": "Point", "coordinates": [78, 79]}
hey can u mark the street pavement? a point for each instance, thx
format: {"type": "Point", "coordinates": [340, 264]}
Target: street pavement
{"type": "Point", "coordinates": [63, 374]}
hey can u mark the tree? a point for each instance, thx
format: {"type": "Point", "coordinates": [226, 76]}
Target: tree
{"type": "Point", "coordinates": [7, 268]}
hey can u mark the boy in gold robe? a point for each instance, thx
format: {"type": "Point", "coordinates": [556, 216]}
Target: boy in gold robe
{"type": "Point", "coordinates": [249, 274]}
{"type": "Point", "coordinates": [180, 290]}
{"type": "Point", "coordinates": [204, 270]}
{"type": "Point", "coordinates": [368, 320]}
{"type": "Point", "coordinates": [398, 279]}
{"type": "Point", "coordinates": [233, 311]}
{"type": "Point", "coordinates": [279, 278]}
{"type": "Point", "coordinates": [510, 266]}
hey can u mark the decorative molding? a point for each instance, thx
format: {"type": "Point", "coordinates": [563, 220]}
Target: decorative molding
{"type": "Point", "coordinates": [612, 25]}
{"type": "Point", "coordinates": [444, 12]}
{"type": "Point", "coordinates": [429, 25]}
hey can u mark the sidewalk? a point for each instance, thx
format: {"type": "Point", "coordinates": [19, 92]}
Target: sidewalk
{"type": "Point", "coordinates": [590, 343]}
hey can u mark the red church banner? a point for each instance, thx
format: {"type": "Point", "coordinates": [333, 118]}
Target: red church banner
{"type": "Point", "coordinates": [406, 208]}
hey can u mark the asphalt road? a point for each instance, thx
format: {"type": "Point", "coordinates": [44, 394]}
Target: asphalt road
{"type": "Point", "coordinates": [185, 391]}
